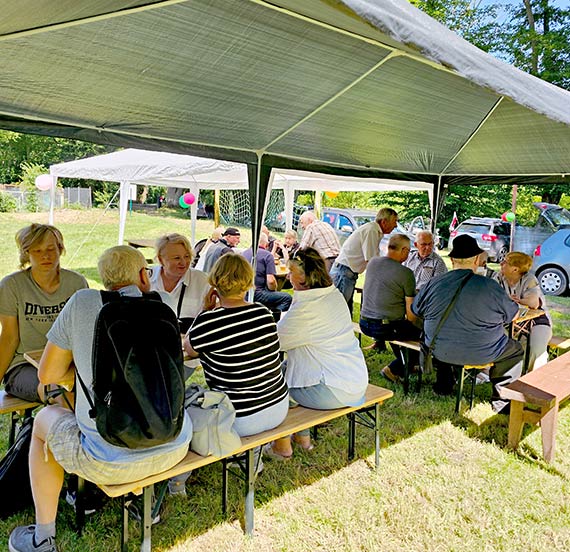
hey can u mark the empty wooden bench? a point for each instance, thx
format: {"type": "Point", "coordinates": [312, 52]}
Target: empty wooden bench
{"type": "Point", "coordinates": [298, 418]}
{"type": "Point", "coordinates": [17, 408]}
{"type": "Point", "coordinates": [535, 399]}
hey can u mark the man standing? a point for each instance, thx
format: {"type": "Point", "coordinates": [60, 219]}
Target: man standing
{"type": "Point", "coordinates": [230, 239]}
{"type": "Point", "coordinates": [389, 290]}
{"type": "Point", "coordinates": [320, 236]}
{"type": "Point", "coordinates": [265, 281]}
{"type": "Point", "coordinates": [63, 440]}
{"type": "Point", "coordinates": [358, 249]}
{"type": "Point", "coordinates": [425, 263]}
{"type": "Point", "coordinates": [474, 331]}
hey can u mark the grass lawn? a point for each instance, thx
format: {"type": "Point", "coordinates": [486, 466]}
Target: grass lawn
{"type": "Point", "coordinates": [446, 483]}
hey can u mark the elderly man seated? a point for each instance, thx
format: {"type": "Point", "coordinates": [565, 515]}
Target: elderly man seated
{"type": "Point", "coordinates": [474, 331]}
{"type": "Point", "coordinates": [265, 281]}
{"type": "Point", "coordinates": [389, 290]}
{"type": "Point", "coordinates": [425, 263]}
{"type": "Point", "coordinates": [68, 441]}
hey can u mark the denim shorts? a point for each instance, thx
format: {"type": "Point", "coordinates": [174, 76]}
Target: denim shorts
{"type": "Point", "coordinates": [64, 442]}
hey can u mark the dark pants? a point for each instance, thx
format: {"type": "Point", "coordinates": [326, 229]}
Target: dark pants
{"type": "Point", "coordinates": [273, 300]}
{"type": "Point", "coordinates": [507, 368]}
{"type": "Point", "coordinates": [22, 382]}
{"type": "Point", "coordinates": [402, 330]}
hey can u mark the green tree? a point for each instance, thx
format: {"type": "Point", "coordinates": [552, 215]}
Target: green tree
{"type": "Point", "coordinates": [536, 39]}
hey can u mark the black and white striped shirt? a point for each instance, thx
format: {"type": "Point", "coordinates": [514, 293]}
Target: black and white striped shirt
{"type": "Point", "coordinates": [239, 350]}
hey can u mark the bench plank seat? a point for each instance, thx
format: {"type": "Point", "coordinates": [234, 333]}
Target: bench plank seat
{"type": "Point", "coordinates": [545, 388]}
{"type": "Point", "coordinates": [17, 408]}
{"type": "Point", "coordinates": [298, 418]}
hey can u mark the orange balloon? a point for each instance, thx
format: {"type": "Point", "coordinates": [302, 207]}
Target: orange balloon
{"type": "Point", "coordinates": [331, 195]}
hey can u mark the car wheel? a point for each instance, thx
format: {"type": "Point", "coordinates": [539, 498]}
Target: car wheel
{"type": "Point", "coordinates": [553, 281]}
{"type": "Point", "coordinates": [500, 257]}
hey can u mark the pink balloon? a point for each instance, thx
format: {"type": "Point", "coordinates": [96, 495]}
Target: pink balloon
{"type": "Point", "coordinates": [44, 182]}
{"type": "Point", "coordinates": [189, 198]}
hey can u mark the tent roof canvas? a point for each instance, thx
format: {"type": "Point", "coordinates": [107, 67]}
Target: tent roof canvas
{"type": "Point", "coordinates": [369, 87]}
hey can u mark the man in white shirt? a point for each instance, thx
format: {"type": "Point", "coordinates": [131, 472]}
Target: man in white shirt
{"type": "Point", "coordinates": [358, 249]}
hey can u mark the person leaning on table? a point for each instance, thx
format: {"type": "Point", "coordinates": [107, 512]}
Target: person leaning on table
{"type": "Point", "coordinates": [238, 346]}
{"type": "Point", "coordinates": [523, 288]}
{"type": "Point", "coordinates": [325, 366]}
{"type": "Point", "coordinates": [30, 301]}
{"type": "Point", "coordinates": [66, 441]}
{"type": "Point", "coordinates": [474, 331]}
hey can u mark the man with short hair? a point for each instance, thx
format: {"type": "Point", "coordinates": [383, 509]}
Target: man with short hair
{"type": "Point", "coordinates": [265, 281]}
{"type": "Point", "coordinates": [230, 239]}
{"type": "Point", "coordinates": [66, 441]}
{"type": "Point", "coordinates": [474, 331]}
{"type": "Point", "coordinates": [386, 314]}
{"type": "Point", "coordinates": [319, 235]}
{"type": "Point", "coordinates": [361, 246]}
{"type": "Point", "coordinates": [425, 263]}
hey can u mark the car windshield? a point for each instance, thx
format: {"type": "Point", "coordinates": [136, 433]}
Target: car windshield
{"type": "Point", "coordinates": [363, 219]}
{"type": "Point", "coordinates": [559, 216]}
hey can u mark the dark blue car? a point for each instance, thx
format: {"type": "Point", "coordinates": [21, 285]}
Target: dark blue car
{"type": "Point", "coordinates": [552, 263]}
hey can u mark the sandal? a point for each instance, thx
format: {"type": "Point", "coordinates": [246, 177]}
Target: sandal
{"type": "Point", "coordinates": [270, 453]}
{"type": "Point", "coordinates": [299, 443]}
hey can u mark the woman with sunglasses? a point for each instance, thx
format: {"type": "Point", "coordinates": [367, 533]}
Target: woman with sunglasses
{"type": "Point", "coordinates": [325, 366]}
{"type": "Point", "coordinates": [523, 288]}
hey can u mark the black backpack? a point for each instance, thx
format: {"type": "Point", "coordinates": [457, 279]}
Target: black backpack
{"type": "Point", "coordinates": [138, 383]}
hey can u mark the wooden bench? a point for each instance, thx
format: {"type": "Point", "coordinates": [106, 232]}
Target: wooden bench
{"type": "Point", "coordinates": [544, 390]}
{"type": "Point", "coordinates": [298, 418]}
{"type": "Point", "coordinates": [405, 347]}
{"type": "Point", "coordinates": [17, 408]}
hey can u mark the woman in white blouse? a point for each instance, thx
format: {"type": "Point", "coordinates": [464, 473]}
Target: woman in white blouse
{"type": "Point", "coordinates": [325, 366]}
{"type": "Point", "coordinates": [186, 286]}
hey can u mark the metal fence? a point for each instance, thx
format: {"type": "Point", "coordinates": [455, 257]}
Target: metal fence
{"type": "Point", "coordinates": [40, 201]}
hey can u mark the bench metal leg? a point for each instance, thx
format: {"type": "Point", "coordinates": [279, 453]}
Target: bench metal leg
{"type": "Point", "coordinates": [147, 519]}
{"type": "Point", "coordinates": [377, 435]}
{"type": "Point", "coordinates": [224, 486]}
{"type": "Point", "coordinates": [461, 373]}
{"type": "Point", "coordinates": [249, 491]}
{"type": "Point", "coordinates": [80, 505]}
{"type": "Point", "coordinates": [351, 435]}
{"type": "Point", "coordinates": [473, 377]}
{"type": "Point", "coordinates": [405, 356]}
{"type": "Point", "coordinates": [125, 531]}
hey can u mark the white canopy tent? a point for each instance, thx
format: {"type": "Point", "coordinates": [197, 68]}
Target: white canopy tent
{"type": "Point", "coordinates": [151, 168]}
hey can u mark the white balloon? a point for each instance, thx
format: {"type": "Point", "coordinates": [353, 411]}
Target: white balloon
{"type": "Point", "coordinates": [44, 182]}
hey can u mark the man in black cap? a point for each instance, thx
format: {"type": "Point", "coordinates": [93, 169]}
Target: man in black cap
{"type": "Point", "coordinates": [474, 331]}
{"type": "Point", "coordinates": [230, 239]}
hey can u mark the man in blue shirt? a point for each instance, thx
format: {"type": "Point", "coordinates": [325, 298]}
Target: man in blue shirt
{"type": "Point", "coordinates": [474, 332]}
{"type": "Point", "coordinates": [265, 281]}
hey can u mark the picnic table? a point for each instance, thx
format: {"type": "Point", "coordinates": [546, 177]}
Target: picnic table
{"type": "Point", "coordinates": [280, 275]}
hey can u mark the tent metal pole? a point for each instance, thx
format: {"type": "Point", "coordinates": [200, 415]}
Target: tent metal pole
{"type": "Point", "coordinates": [52, 199]}
{"type": "Point", "coordinates": [123, 205]}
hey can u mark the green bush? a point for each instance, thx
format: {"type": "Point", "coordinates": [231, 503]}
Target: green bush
{"type": "Point", "coordinates": [7, 203]}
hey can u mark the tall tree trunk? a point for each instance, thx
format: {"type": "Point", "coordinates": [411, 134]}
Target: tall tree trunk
{"type": "Point", "coordinates": [533, 41]}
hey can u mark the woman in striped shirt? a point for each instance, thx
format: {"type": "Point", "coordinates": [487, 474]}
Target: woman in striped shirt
{"type": "Point", "coordinates": [238, 345]}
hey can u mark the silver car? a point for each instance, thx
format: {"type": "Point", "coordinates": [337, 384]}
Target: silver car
{"type": "Point", "coordinates": [492, 235]}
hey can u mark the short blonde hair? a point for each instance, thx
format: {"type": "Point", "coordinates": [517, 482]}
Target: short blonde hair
{"type": "Point", "coordinates": [522, 261]}
{"type": "Point", "coordinates": [291, 234]}
{"type": "Point", "coordinates": [176, 239]}
{"type": "Point", "coordinates": [120, 266]}
{"type": "Point", "coordinates": [29, 236]}
{"type": "Point", "coordinates": [231, 275]}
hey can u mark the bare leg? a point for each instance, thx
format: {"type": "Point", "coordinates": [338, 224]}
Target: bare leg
{"type": "Point", "coordinates": [283, 446]}
{"type": "Point", "coordinates": [46, 475]}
